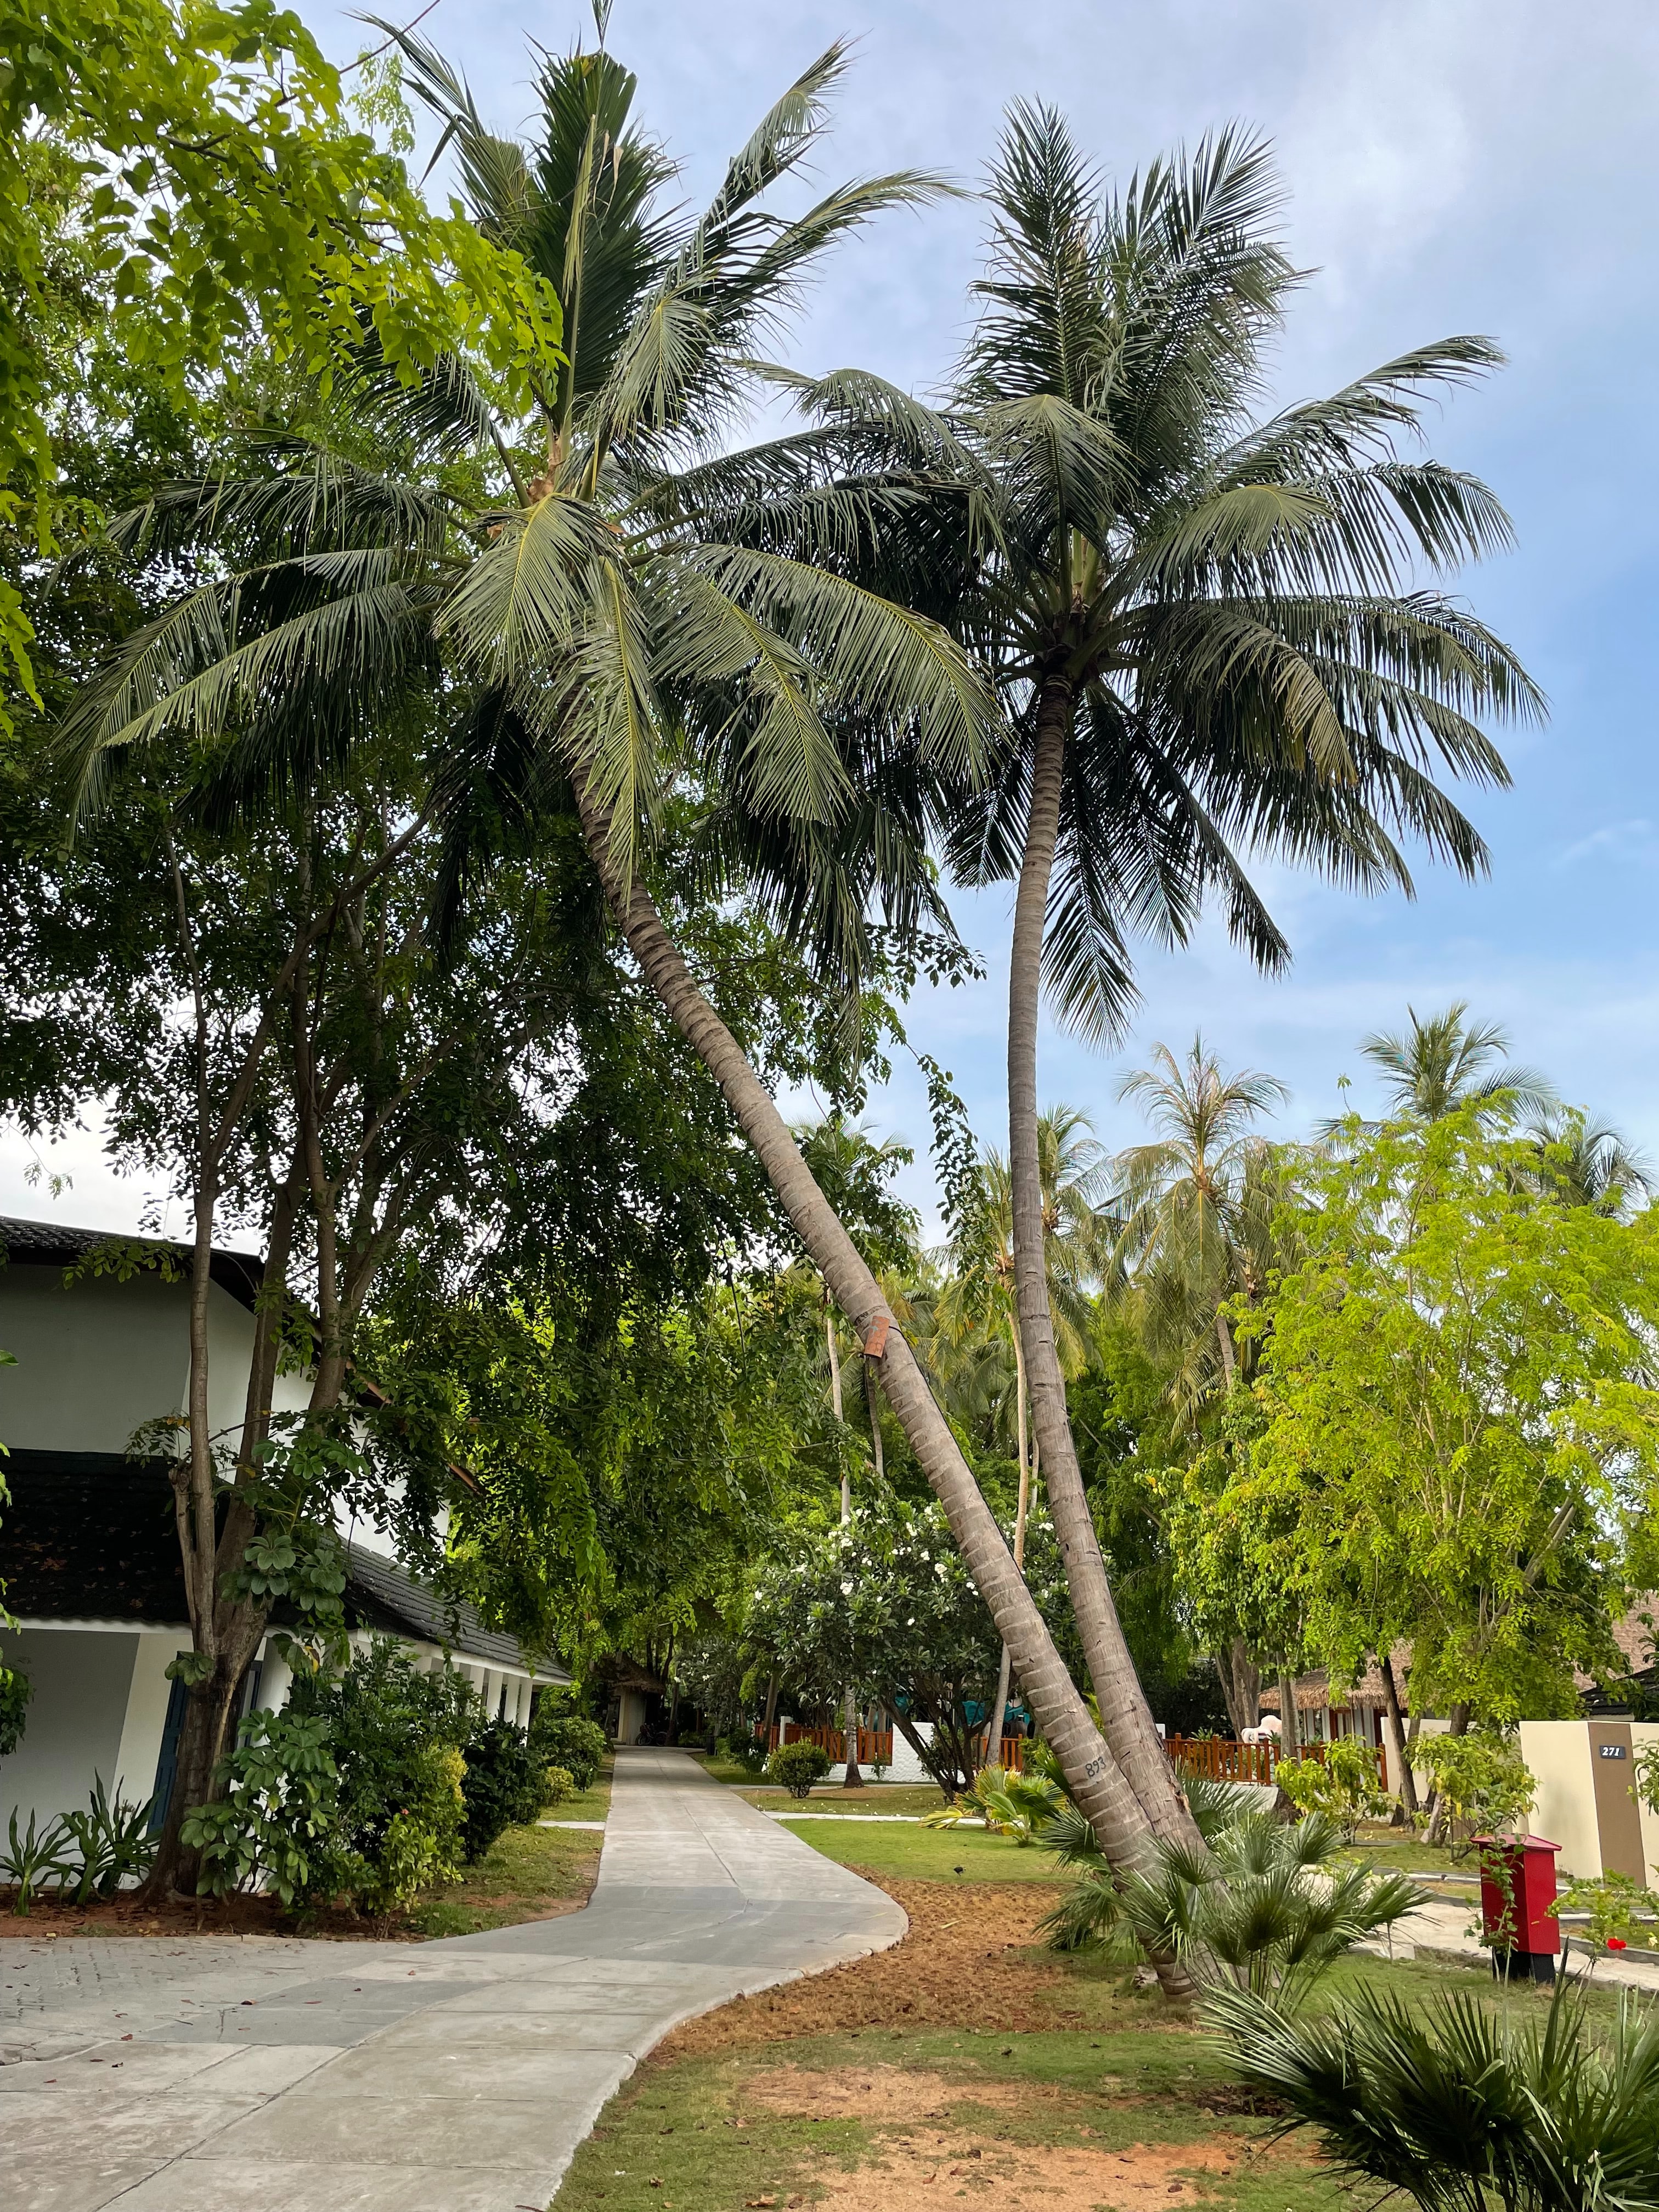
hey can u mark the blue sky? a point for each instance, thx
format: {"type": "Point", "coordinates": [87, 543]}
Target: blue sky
{"type": "Point", "coordinates": [1449, 164]}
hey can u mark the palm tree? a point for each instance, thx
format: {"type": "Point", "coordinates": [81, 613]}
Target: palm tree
{"type": "Point", "coordinates": [980, 1295]}
{"type": "Point", "coordinates": [1205, 633]}
{"type": "Point", "coordinates": [1446, 1062]}
{"type": "Point", "coordinates": [1585, 1163]}
{"type": "Point", "coordinates": [1198, 1225]}
{"type": "Point", "coordinates": [617, 606]}
{"type": "Point", "coordinates": [1193, 1211]}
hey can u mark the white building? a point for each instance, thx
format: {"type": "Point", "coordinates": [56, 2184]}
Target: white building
{"type": "Point", "coordinates": [88, 1553]}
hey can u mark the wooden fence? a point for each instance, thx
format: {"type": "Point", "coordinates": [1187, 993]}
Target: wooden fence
{"type": "Point", "coordinates": [875, 1745]}
{"type": "Point", "coordinates": [1215, 1759]}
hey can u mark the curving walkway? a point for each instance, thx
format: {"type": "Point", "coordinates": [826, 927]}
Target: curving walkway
{"type": "Point", "coordinates": [161, 2075]}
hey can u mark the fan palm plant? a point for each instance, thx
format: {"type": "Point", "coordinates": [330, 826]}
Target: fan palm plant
{"type": "Point", "coordinates": [1207, 633]}
{"type": "Point", "coordinates": [1462, 2108]}
{"type": "Point", "coordinates": [616, 607]}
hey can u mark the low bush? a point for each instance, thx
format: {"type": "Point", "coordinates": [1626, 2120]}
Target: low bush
{"type": "Point", "coordinates": [276, 1821]}
{"type": "Point", "coordinates": [503, 1787]}
{"type": "Point", "coordinates": [746, 1747]}
{"type": "Point", "coordinates": [796, 1766]}
{"type": "Point", "coordinates": [112, 1843]}
{"type": "Point", "coordinates": [558, 1783]}
{"type": "Point", "coordinates": [567, 1740]}
{"type": "Point", "coordinates": [1461, 2108]}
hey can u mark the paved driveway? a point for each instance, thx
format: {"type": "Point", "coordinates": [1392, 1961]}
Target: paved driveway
{"type": "Point", "coordinates": [280, 2075]}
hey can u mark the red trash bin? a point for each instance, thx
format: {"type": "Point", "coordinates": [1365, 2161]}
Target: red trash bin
{"type": "Point", "coordinates": [1518, 1888]}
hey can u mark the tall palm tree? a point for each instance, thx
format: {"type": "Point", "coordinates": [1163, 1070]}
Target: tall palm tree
{"type": "Point", "coordinates": [1197, 1216]}
{"type": "Point", "coordinates": [1206, 631]}
{"type": "Point", "coordinates": [1446, 1062]}
{"type": "Point", "coordinates": [980, 1293]}
{"type": "Point", "coordinates": [1192, 1209]}
{"type": "Point", "coordinates": [618, 606]}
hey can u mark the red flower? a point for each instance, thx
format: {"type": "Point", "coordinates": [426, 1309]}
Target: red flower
{"type": "Point", "coordinates": [1615, 1943]}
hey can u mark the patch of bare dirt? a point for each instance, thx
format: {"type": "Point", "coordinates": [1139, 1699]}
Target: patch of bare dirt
{"type": "Point", "coordinates": [970, 1960]}
{"type": "Point", "coordinates": [913, 2176]}
{"type": "Point", "coordinates": [873, 2094]}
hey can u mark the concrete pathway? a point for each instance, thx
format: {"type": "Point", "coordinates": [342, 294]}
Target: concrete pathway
{"type": "Point", "coordinates": [160, 2074]}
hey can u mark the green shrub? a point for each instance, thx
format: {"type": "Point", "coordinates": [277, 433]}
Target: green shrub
{"type": "Point", "coordinates": [276, 1822]}
{"type": "Point", "coordinates": [28, 1862]}
{"type": "Point", "coordinates": [112, 1841]}
{"type": "Point", "coordinates": [503, 1788]}
{"type": "Point", "coordinates": [1482, 1779]}
{"type": "Point", "coordinates": [421, 1845]}
{"type": "Point", "coordinates": [567, 1740]}
{"type": "Point", "coordinates": [797, 1766]}
{"type": "Point", "coordinates": [558, 1783]}
{"type": "Point", "coordinates": [746, 1747]}
{"type": "Point", "coordinates": [1621, 1912]}
{"type": "Point", "coordinates": [1343, 1785]}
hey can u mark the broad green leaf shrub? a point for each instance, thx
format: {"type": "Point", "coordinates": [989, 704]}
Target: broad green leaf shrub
{"type": "Point", "coordinates": [276, 1821]}
{"type": "Point", "coordinates": [796, 1766]}
{"type": "Point", "coordinates": [558, 1783]}
{"type": "Point", "coordinates": [1621, 1913]}
{"type": "Point", "coordinates": [569, 1740]}
{"type": "Point", "coordinates": [1343, 1785]}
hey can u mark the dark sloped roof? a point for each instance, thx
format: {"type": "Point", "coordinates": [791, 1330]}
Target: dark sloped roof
{"type": "Point", "coordinates": [413, 1608]}
{"type": "Point", "coordinates": [90, 1536]}
{"type": "Point", "coordinates": [53, 1244]}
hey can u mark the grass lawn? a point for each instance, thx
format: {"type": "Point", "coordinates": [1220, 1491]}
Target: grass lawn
{"type": "Point", "coordinates": [946, 1855]}
{"type": "Point", "coordinates": [828, 1796]}
{"type": "Point", "coordinates": [530, 1874]}
{"type": "Point", "coordinates": [966, 2063]}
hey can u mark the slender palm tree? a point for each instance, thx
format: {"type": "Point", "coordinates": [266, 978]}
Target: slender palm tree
{"type": "Point", "coordinates": [1586, 1162]}
{"type": "Point", "coordinates": [618, 607]}
{"type": "Point", "coordinates": [1193, 1211]}
{"type": "Point", "coordinates": [980, 1295]}
{"type": "Point", "coordinates": [1446, 1062]}
{"type": "Point", "coordinates": [1207, 632]}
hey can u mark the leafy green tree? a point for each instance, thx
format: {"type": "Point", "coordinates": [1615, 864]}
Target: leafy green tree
{"type": "Point", "coordinates": [886, 1602]}
{"type": "Point", "coordinates": [229, 198]}
{"type": "Point", "coordinates": [1457, 1421]}
{"type": "Point", "coordinates": [645, 600]}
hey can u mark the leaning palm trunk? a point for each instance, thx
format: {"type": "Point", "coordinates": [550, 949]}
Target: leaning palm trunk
{"type": "Point", "coordinates": [1126, 1717]}
{"type": "Point", "coordinates": [993, 1748]}
{"type": "Point", "coordinates": [1092, 1773]}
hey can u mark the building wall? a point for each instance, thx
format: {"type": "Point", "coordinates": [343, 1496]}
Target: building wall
{"type": "Point", "coordinates": [97, 1360]}
{"type": "Point", "coordinates": [1557, 1754]}
{"type": "Point", "coordinates": [83, 1681]}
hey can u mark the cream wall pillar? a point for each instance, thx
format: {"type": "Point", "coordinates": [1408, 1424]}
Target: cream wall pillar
{"type": "Point", "coordinates": [1557, 1754]}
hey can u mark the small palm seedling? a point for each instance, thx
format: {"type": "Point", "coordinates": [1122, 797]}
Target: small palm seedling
{"type": "Point", "coordinates": [1018, 1805]}
{"type": "Point", "coordinates": [32, 1860]}
{"type": "Point", "coordinates": [1462, 2108]}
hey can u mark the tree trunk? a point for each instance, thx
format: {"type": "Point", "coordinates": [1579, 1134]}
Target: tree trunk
{"type": "Point", "coordinates": [771, 1709]}
{"type": "Point", "coordinates": [1397, 1734]}
{"type": "Point", "coordinates": [993, 1748]}
{"type": "Point", "coordinates": [1130, 1729]}
{"type": "Point", "coordinates": [852, 1779]}
{"type": "Point", "coordinates": [1091, 1772]}
{"type": "Point", "coordinates": [1241, 1686]}
{"type": "Point", "coordinates": [1290, 1725]}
